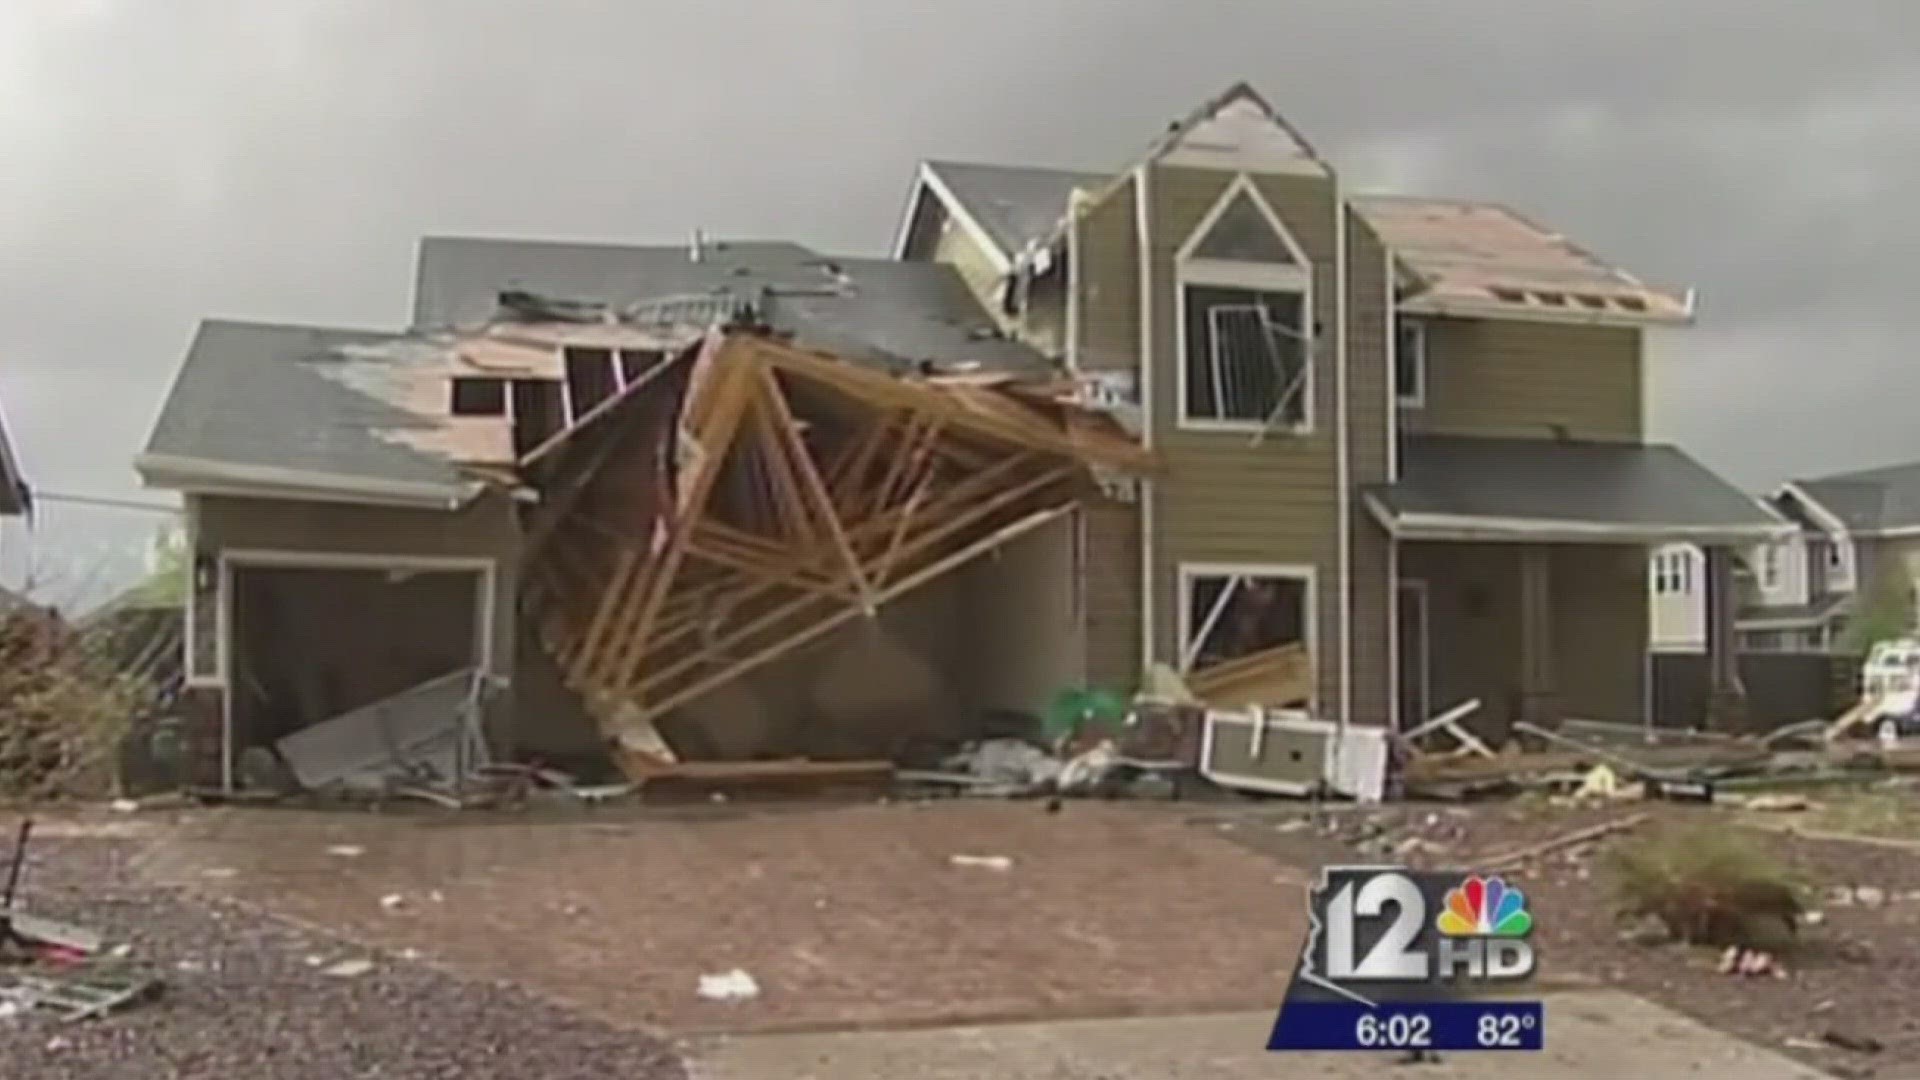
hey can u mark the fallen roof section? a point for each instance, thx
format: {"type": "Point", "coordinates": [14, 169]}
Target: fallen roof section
{"type": "Point", "coordinates": [1455, 488]}
{"type": "Point", "coordinates": [763, 494]}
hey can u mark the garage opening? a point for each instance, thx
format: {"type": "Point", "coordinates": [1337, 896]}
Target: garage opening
{"type": "Point", "coordinates": [312, 644]}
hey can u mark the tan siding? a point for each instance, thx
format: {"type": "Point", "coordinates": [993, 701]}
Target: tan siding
{"type": "Point", "coordinates": [1222, 498]}
{"type": "Point", "coordinates": [1108, 246]}
{"type": "Point", "coordinates": [1511, 378]}
{"type": "Point", "coordinates": [957, 248]}
{"type": "Point", "coordinates": [1599, 619]}
{"type": "Point", "coordinates": [486, 530]}
{"type": "Point", "coordinates": [1600, 631]}
{"type": "Point", "coordinates": [1368, 381]}
{"type": "Point", "coordinates": [1112, 595]}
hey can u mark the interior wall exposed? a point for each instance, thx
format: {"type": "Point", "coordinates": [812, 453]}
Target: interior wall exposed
{"type": "Point", "coordinates": [940, 664]}
{"type": "Point", "coordinates": [308, 644]}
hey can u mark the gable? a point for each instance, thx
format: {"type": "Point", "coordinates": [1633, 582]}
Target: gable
{"type": "Point", "coordinates": [1242, 134]}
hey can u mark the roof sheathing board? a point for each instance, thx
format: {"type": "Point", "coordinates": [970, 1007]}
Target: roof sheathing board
{"type": "Point", "coordinates": [1486, 254]}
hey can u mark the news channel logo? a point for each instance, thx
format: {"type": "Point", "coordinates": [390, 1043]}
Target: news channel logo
{"type": "Point", "coordinates": [1400, 959]}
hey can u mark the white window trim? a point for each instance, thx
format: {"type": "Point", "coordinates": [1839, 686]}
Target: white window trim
{"type": "Point", "coordinates": [1303, 572]}
{"type": "Point", "coordinates": [1417, 399]}
{"type": "Point", "coordinates": [1295, 277]}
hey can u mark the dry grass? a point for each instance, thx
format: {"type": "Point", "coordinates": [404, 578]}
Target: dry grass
{"type": "Point", "coordinates": [1708, 885]}
{"type": "Point", "coordinates": [62, 714]}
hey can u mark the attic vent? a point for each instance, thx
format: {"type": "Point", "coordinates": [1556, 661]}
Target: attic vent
{"type": "Point", "coordinates": [1242, 233]}
{"type": "Point", "coordinates": [1597, 303]}
{"type": "Point", "coordinates": [1631, 303]}
{"type": "Point", "coordinates": [1511, 296]}
{"type": "Point", "coordinates": [1554, 299]}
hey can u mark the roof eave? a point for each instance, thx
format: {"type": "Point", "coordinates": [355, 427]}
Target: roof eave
{"type": "Point", "coordinates": [1465, 528]}
{"type": "Point", "coordinates": [208, 477]}
{"type": "Point", "coordinates": [1429, 302]}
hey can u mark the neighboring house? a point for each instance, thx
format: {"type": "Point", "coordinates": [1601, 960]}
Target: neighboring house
{"type": "Point", "coordinates": [1856, 542]}
{"type": "Point", "coordinates": [1406, 435]}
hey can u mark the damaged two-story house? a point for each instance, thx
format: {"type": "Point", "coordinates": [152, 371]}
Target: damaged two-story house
{"type": "Point", "coordinates": [1203, 409]}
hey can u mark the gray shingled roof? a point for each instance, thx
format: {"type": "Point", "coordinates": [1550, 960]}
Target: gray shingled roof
{"type": "Point", "coordinates": [249, 395]}
{"type": "Point", "coordinates": [878, 310]}
{"type": "Point", "coordinates": [1871, 499]}
{"type": "Point", "coordinates": [1014, 204]}
{"type": "Point", "coordinates": [1563, 490]}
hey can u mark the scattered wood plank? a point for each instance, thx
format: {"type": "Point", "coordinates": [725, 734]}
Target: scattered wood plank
{"type": "Point", "coordinates": [1566, 840]}
{"type": "Point", "coordinates": [698, 781]}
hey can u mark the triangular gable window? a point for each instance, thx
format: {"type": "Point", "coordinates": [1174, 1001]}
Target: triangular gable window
{"type": "Point", "coordinates": [1242, 233]}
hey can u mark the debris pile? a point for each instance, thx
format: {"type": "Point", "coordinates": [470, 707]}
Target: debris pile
{"type": "Point", "coordinates": [45, 964]}
{"type": "Point", "coordinates": [63, 713]}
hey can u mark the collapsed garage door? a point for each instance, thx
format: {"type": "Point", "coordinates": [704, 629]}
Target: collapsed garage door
{"type": "Point", "coordinates": [311, 643]}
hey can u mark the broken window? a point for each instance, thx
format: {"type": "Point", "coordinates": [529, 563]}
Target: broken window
{"type": "Point", "coordinates": [1246, 355]}
{"type": "Point", "coordinates": [479, 397]}
{"type": "Point", "coordinates": [590, 378]}
{"type": "Point", "coordinates": [1410, 361]}
{"type": "Point", "coordinates": [1242, 233]}
{"type": "Point", "coordinates": [1231, 616]}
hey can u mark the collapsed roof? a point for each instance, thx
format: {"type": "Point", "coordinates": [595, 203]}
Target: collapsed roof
{"type": "Point", "coordinates": [406, 418]}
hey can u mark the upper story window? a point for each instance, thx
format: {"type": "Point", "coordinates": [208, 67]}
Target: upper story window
{"type": "Point", "coordinates": [1409, 361]}
{"type": "Point", "coordinates": [1246, 329]}
{"type": "Point", "coordinates": [1673, 572]}
{"type": "Point", "coordinates": [1770, 566]}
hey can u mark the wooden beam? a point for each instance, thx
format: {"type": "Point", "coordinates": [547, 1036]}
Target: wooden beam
{"type": "Point", "coordinates": [800, 459]}
{"type": "Point", "coordinates": [775, 574]}
{"type": "Point", "coordinates": [960, 496]}
{"type": "Point", "coordinates": [780, 471]}
{"type": "Point", "coordinates": [720, 401]}
{"type": "Point", "coordinates": [775, 651]}
{"type": "Point", "coordinates": [975, 513]}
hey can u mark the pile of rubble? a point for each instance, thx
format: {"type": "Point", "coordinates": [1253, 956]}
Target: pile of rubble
{"type": "Point", "coordinates": [46, 964]}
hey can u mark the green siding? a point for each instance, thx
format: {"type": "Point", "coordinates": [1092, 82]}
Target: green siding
{"type": "Point", "coordinates": [1519, 379]}
{"type": "Point", "coordinates": [1368, 417]}
{"type": "Point", "coordinates": [956, 247]}
{"type": "Point", "coordinates": [1222, 498]}
{"type": "Point", "coordinates": [1108, 246]}
{"type": "Point", "coordinates": [1598, 598]}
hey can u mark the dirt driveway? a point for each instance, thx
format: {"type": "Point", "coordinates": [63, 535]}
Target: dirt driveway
{"type": "Point", "coordinates": [846, 917]}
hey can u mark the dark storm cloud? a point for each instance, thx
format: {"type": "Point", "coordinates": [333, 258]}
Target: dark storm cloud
{"type": "Point", "coordinates": [169, 161]}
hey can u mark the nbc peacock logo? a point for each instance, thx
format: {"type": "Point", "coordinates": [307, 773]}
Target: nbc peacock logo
{"type": "Point", "coordinates": [1485, 907]}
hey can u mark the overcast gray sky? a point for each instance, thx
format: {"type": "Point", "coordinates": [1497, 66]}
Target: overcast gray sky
{"type": "Point", "coordinates": [275, 159]}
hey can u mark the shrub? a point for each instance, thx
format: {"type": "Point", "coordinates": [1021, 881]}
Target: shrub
{"type": "Point", "coordinates": [62, 714]}
{"type": "Point", "coordinates": [1707, 885]}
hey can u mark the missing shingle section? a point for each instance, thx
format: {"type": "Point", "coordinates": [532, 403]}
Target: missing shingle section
{"type": "Point", "coordinates": [478, 397]}
{"type": "Point", "coordinates": [1588, 300]}
{"type": "Point", "coordinates": [539, 412]}
{"type": "Point", "coordinates": [1552, 299]}
{"type": "Point", "coordinates": [1511, 296]}
{"type": "Point", "coordinates": [1631, 303]}
{"type": "Point", "coordinates": [637, 362]}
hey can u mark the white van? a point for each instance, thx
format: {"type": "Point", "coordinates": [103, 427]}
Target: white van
{"type": "Point", "coordinates": [1890, 679]}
